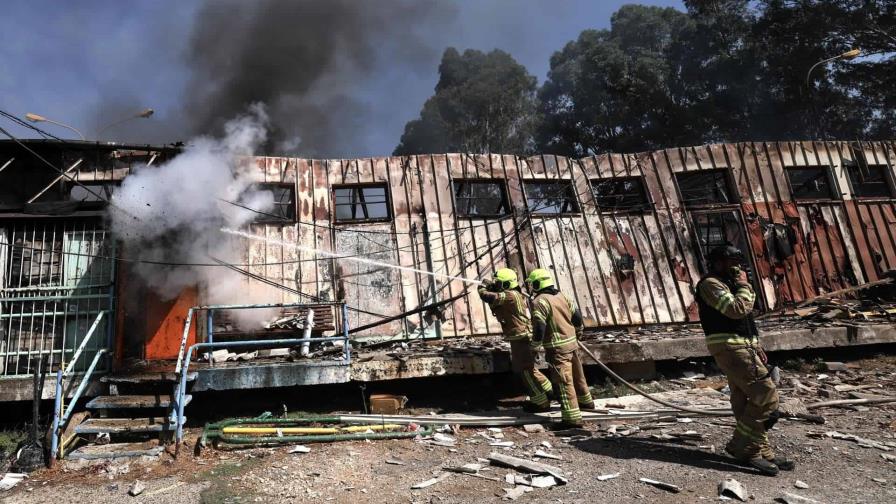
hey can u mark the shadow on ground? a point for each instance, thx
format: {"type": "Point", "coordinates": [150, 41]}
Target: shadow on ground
{"type": "Point", "coordinates": [647, 449]}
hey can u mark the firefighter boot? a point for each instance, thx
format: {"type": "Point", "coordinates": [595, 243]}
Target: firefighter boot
{"type": "Point", "coordinates": [755, 461]}
{"type": "Point", "coordinates": [783, 463]}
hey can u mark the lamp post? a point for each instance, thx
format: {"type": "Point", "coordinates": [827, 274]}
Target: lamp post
{"type": "Point", "coordinates": [848, 55]}
{"type": "Point", "coordinates": [39, 118]}
{"type": "Point", "coordinates": [143, 114]}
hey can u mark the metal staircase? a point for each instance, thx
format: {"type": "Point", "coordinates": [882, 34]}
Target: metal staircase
{"type": "Point", "coordinates": [136, 414]}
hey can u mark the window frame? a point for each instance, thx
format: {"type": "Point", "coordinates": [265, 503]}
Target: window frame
{"type": "Point", "coordinates": [645, 194]}
{"type": "Point", "coordinates": [834, 192]}
{"type": "Point", "coordinates": [361, 185]}
{"type": "Point", "coordinates": [570, 184]}
{"type": "Point", "coordinates": [730, 186]}
{"type": "Point", "coordinates": [269, 219]}
{"type": "Point", "coordinates": [856, 165]}
{"type": "Point", "coordinates": [505, 196]}
{"type": "Point", "coordinates": [98, 186]}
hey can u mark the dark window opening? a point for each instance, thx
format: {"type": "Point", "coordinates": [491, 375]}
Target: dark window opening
{"type": "Point", "coordinates": [551, 197]}
{"type": "Point", "coordinates": [705, 187]}
{"type": "Point", "coordinates": [92, 192]}
{"type": "Point", "coordinates": [284, 207]}
{"type": "Point", "coordinates": [868, 180]}
{"type": "Point", "coordinates": [361, 203]}
{"type": "Point", "coordinates": [620, 194]}
{"type": "Point", "coordinates": [480, 198]}
{"type": "Point", "coordinates": [810, 183]}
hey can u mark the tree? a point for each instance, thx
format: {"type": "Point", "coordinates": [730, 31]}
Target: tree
{"type": "Point", "coordinates": [624, 88]}
{"type": "Point", "coordinates": [726, 70]}
{"type": "Point", "coordinates": [483, 102]}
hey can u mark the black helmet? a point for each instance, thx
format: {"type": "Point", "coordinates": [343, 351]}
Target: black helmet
{"type": "Point", "coordinates": [725, 252]}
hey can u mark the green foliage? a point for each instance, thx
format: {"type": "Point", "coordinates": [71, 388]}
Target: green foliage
{"type": "Point", "coordinates": [725, 70]}
{"type": "Point", "coordinates": [483, 103]}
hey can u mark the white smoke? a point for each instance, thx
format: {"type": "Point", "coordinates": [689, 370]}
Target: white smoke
{"type": "Point", "coordinates": [172, 213]}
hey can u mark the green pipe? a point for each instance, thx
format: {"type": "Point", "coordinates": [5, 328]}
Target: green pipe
{"type": "Point", "coordinates": [214, 431]}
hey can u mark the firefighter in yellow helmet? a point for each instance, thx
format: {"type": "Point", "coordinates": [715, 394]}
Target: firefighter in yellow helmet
{"type": "Point", "coordinates": [557, 324]}
{"type": "Point", "coordinates": [511, 307]}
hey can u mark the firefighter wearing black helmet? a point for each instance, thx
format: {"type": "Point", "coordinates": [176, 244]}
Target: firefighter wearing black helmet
{"type": "Point", "coordinates": [725, 299]}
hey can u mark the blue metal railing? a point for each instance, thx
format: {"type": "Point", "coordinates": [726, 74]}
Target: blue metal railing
{"type": "Point", "coordinates": [185, 355]}
{"type": "Point", "coordinates": [61, 416]}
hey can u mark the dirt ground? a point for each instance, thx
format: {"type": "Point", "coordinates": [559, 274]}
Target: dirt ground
{"type": "Point", "coordinates": [832, 470]}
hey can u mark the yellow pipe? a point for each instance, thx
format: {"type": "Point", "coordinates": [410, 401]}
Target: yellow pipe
{"type": "Point", "coordinates": [307, 430]}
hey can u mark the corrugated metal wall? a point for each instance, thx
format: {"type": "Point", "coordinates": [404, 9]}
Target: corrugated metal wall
{"type": "Point", "coordinates": [836, 242]}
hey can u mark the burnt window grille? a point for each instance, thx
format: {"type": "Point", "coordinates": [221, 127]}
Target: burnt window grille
{"type": "Point", "coordinates": [284, 207]}
{"type": "Point", "coordinates": [620, 194]}
{"type": "Point", "coordinates": [480, 198]}
{"type": "Point", "coordinates": [809, 182]}
{"type": "Point", "coordinates": [554, 197]}
{"type": "Point", "coordinates": [868, 180]}
{"type": "Point", "coordinates": [705, 187]}
{"type": "Point", "coordinates": [361, 203]}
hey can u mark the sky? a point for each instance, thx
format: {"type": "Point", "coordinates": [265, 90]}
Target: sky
{"type": "Point", "coordinates": [90, 63]}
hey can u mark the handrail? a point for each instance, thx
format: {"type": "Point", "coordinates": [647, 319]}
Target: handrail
{"type": "Point", "coordinates": [61, 415]}
{"type": "Point", "coordinates": [184, 358]}
{"type": "Point", "coordinates": [83, 345]}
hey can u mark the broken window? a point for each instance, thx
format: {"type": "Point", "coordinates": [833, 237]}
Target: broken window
{"type": "Point", "coordinates": [361, 202]}
{"type": "Point", "coordinates": [620, 194]}
{"type": "Point", "coordinates": [809, 182]}
{"type": "Point", "coordinates": [284, 208]}
{"type": "Point", "coordinates": [868, 180]}
{"type": "Point", "coordinates": [92, 192]}
{"type": "Point", "coordinates": [550, 197]}
{"type": "Point", "coordinates": [705, 187]}
{"type": "Point", "coordinates": [480, 198]}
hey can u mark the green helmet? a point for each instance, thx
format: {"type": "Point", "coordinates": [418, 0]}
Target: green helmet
{"type": "Point", "coordinates": [506, 278]}
{"type": "Point", "coordinates": [540, 279]}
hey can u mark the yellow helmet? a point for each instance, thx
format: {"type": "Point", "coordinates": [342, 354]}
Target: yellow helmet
{"type": "Point", "coordinates": [506, 278]}
{"type": "Point", "coordinates": [540, 279]}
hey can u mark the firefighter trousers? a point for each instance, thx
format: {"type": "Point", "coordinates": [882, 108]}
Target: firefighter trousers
{"type": "Point", "coordinates": [522, 362]}
{"type": "Point", "coordinates": [753, 398]}
{"type": "Point", "coordinates": [569, 376]}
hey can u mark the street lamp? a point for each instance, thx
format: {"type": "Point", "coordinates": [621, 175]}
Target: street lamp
{"type": "Point", "coordinates": [39, 118]}
{"type": "Point", "coordinates": [848, 55]}
{"type": "Point", "coordinates": [143, 114]}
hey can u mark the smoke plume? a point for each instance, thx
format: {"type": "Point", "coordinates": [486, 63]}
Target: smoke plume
{"type": "Point", "coordinates": [172, 213]}
{"type": "Point", "coordinates": [309, 61]}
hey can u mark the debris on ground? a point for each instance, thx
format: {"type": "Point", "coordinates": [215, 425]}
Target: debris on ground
{"type": "Point", "coordinates": [789, 498]}
{"type": "Point", "coordinates": [299, 449]}
{"type": "Point", "coordinates": [802, 485]}
{"type": "Point", "coordinates": [605, 477]}
{"type": "Point", "coordinates": [732, 489]}
{"type": "Point", "coordinates": [430, 482]}
{"type": "Point", "coordinates": [660, 484]}
{"type": "Point", "coordinates": [136, 489]}
{"type": "Point", "coordinates": [10, 480]}
{"type": "Point", "coordinates": [527, 466]}
{"type": "Point", "coordinates": [863, 442]}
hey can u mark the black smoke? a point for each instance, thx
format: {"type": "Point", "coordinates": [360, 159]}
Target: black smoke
{"type": "Point", "coordinates": [309, 62]}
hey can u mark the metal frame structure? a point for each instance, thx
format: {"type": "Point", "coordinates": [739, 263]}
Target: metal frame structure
{"type": "Point", "coordinates": [184, 357]}
{"type": "Point", "coordinates": [55, 277]}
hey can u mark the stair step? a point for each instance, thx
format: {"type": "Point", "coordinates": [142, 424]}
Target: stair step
{"type": "Point", "coordinates": [116, 450]}
{"type": "Point", "coordinates": [147, 377]}
{"type": "Point", "coordinates": [133, 401]}
{"type": "Point", "coordinates": [125, 425]}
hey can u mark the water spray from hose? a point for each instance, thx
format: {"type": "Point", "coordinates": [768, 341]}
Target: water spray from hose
{"type": "Point", "coordinates": [331, 255]}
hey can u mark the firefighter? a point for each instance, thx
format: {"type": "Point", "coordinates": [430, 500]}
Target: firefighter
{"type": "Point", "coordinates": [557, 324]}
{"type": "Point", "coordinates": [725, 300]}
{"type": "Point", "coordinates": [511, 307]}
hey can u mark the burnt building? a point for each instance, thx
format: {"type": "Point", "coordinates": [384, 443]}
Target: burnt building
{"type": "Point", "coordinates": [624, 234]}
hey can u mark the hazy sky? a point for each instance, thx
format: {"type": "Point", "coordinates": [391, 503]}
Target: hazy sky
{"type": "Point", "coordinates": [90, 62]}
